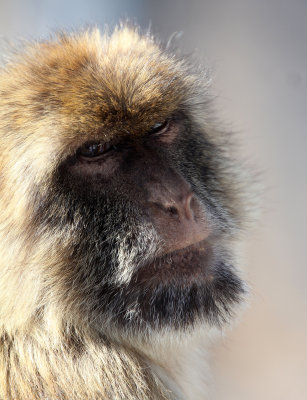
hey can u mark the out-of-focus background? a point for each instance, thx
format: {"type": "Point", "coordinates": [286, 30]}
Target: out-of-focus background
{"type": "Point", "coordinates": [259, 52]}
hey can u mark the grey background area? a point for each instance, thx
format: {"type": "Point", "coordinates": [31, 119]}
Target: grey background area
{"type": "Point", "coordinates": [259, 53]}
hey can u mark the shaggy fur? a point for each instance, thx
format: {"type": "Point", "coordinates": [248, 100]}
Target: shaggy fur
{"type": "Point", "coordinates": [73, 325]}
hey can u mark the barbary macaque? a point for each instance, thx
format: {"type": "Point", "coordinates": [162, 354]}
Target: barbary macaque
{"type": "Point", "coordinates": [120, 211]}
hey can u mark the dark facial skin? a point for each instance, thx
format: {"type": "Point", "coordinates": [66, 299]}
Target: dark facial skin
{"type": "Point", "coordinates": [147, 231]}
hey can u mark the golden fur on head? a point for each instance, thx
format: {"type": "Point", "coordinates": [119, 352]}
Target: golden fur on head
{"type": "Point", "coordinates": [92, 83]}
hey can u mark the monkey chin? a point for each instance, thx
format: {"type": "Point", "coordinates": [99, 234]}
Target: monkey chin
{"type": "Point", "coordinates": [178, 291]}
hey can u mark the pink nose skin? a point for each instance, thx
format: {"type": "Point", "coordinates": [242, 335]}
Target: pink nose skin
{"type": "Point", "coordinates": [178, 216]}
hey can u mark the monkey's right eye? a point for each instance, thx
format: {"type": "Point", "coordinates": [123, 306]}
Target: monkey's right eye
{"type": "Point", "coordinates": [94, 151]}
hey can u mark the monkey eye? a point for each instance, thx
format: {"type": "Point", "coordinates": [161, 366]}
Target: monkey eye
{"type": "Point", "coordinates": [94, 150]}
{"type": "Point", "coordinates": [159, 127]}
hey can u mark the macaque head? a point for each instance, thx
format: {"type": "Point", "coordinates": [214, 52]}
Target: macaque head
{"type": "Point", "coordinates": [121, 205]}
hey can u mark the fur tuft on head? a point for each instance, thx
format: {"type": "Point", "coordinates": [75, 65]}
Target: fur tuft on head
{"type": "Point", "coordinates": [120, 84]}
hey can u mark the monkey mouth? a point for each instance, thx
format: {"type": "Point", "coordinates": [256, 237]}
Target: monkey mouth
{"type": "Point", "coordinates": [179, 288]}
{"type": "Point", "coordinates": [184, 266]}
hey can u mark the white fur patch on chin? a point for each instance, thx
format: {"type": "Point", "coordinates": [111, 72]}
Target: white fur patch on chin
{"type": "Point", "coordinates": [129, 259]}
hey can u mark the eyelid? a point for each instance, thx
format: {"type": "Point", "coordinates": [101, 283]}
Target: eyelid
{"type": "Point", "coordinates": [93, 151]}
{"type": "Point", "coordinates": [159, 128]}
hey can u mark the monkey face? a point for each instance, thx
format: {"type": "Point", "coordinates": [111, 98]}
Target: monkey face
{"type": "Point", "coordinates": [130, 196]}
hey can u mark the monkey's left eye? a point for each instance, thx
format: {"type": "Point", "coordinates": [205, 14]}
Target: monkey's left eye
{"type": "Point", "coordinates": [159, 128]}
{"type": "Point", "coordinates": [93, 151]}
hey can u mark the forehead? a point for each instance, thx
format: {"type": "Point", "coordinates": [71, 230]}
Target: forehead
{"type": "Point", "coordinates": [120, 83]}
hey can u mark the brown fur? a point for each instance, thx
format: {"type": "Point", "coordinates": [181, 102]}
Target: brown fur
{"type": "Point", "coordinates": [54, 96]}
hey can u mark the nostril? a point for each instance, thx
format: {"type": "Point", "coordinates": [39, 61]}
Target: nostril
{"type": "Point", "coordinates": [172, 210]}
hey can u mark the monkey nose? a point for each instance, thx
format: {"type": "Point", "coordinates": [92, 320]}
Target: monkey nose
{"type": "Point", "coordinates": [181, 207]}
{"type": "Point", "coordinates": [179, 220]}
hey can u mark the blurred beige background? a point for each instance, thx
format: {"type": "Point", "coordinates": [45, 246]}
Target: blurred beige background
{"type": "Point", "coordinates": [259, 52]}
